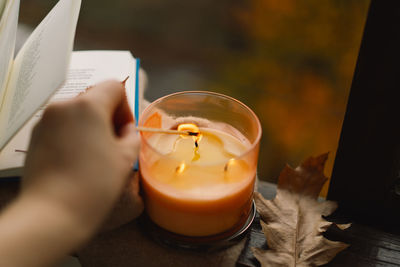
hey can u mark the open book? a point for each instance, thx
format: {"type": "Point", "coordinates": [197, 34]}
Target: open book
{"type": "Point", "coordinates": [39, 71]}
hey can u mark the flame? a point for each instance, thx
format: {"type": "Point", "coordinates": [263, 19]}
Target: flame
{"type": "Point", "coordinates": [193, 131]}
{"type": "Point", "coordinates": [230, 162]}
{"type": "Point", "coordinates": [180, 168]}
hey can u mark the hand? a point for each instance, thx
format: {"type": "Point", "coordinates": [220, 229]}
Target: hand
{"type": "Point", "coordinates": [81, 154]}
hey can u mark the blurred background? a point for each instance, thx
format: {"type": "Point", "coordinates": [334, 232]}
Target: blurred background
{"type": "Point", "coordinates": [290, 61]}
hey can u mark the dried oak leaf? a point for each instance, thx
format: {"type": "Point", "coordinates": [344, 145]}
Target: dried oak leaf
{"type": "Point", "coordinates": [292, 222]}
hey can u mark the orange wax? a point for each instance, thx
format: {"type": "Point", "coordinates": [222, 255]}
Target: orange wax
{"type": "Point", "coordinates": [197, 191]}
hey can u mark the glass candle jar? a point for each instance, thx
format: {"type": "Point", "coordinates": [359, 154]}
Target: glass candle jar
{"type": "Point", "coordinates": [200, 185]}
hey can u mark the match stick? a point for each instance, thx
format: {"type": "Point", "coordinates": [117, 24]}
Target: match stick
{"type": "Point", "coordinates": [124, 81]}
{"type": "Point", "coordinates": [165, 131]}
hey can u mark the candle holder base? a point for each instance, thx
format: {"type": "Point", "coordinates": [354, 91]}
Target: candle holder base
{"type": "Point", "coordinates": [203, 243]}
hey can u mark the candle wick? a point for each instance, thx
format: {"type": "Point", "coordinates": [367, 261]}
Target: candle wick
{"type": "Point", "coordinates": [230, 162]}
{"type": "Point", "coordinates": [180, 168]}
{"type": "Point", "coordinates": [196, 143]}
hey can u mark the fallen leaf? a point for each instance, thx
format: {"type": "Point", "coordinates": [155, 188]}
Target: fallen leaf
{"type": "Point", "coordinates": [292, 222]}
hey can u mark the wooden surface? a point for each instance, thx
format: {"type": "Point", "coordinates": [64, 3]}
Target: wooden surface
{"type": "Point", "coordinates": [369, 246]}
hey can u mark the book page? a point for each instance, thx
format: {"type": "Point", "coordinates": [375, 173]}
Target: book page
{"type": "Point", "coordinates": [39, 68]}
{"type": "Point", "coordinates": [2, 5]}
{"type": "Point", "coordinates": [8, 33]}
{"type": "Point", "coordinates": [87, 68]}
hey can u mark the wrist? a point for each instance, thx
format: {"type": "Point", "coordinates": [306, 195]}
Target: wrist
{"type": "Point", "coordinates": [56, 217]}
{"type": "Point", "coordinates": [35, 226]}
{"type": "Point", "coordinates": [70, 199]}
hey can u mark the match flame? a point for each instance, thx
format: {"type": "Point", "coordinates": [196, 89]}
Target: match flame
{"type": "Point", "coordinates": [193, 131]}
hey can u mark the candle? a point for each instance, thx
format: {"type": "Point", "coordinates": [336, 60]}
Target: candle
{"type": "Point", "coordinates": [197, 185]}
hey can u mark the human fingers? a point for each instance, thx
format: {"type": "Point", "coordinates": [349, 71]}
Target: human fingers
{"type": "Point", "coordinates": [130, 141]}
{"type": "Point", "coordinates": [129, 206]}
{"type": "Point", "coordinates": [122, 116]}
{"type": "Point", "coordinates": [111, 98]}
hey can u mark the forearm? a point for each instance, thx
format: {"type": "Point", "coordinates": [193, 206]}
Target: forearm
{"type": "Point", "coordinates": [80, 156]}
{"type": "Point", "coordinates": [34, 232]}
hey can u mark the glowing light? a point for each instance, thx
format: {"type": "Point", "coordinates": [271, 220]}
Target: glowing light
{"type": "Point", "coordinates": [230, 162]}
{"type": "Point", "coordinates": [192, 130]}
{"type": "Point", "coordinates": [180, 168]}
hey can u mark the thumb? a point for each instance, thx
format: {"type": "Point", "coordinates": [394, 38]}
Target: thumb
{"type": "Point", "coordinates": [130, 139]}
